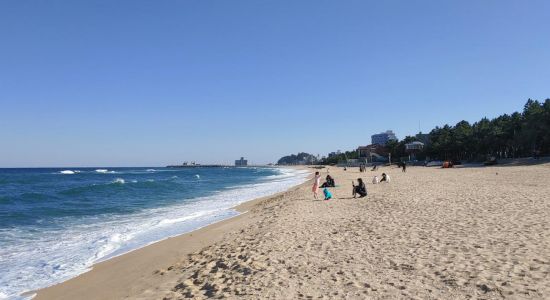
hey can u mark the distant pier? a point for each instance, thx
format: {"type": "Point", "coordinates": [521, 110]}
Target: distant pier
{"type": "Point", "coordinates": [216, 166]}
{"type": "Point", "coordinates": [199, 166]}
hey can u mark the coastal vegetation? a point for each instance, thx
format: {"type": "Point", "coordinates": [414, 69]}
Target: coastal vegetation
{"type": "Point", "coordinates": [520, 134]}
{"type": "Point", "coordinates": [301, 158]}
{"type": "Point", "coordinates": [507, 136]}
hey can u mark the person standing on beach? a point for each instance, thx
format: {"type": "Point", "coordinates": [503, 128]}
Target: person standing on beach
{"type": "Point", "coordinates": [316, 182]}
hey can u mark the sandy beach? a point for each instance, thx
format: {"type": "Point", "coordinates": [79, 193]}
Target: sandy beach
{"type": "Point", "coordinates": [463, 233]}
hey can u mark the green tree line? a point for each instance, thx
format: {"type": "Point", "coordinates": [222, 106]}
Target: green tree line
{"type": "Point", "coordinates": [507, 136]}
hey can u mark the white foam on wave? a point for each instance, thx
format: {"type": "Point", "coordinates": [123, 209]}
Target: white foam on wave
{"type": "Point", "coordinates": [119, 181]}
{"type": "Point", "coordinates": [151, 170]}
{"type": "Point", "coordinates": [110, 244]}
{"type": "Point", "coordinates": [61, 255]}
{"type": "Point", "coordinates": [105, 171]}
{"type": "Point", "coordinates": [186, 218]}
{"type": "Point", "coordinates": [67, 172]}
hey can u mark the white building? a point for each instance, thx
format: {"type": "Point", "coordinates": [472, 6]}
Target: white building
{"type": "Point", "coordinates": [414, 146]}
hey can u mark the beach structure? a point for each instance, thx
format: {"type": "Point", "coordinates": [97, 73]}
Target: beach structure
{"type": "Point", "coordinates": [383, 137]}
{"type": "Point", "coordinates": [413, 148]}
{"type": "Point", "coordinates": [372, 153]}
{"type": "Point", "coordinates": [241, 162]}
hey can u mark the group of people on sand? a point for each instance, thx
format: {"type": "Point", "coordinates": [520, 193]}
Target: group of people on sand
{"type": "Point", "coordinates": [359, 190]}
{"type": "Point", "coordinates": [328, 183]}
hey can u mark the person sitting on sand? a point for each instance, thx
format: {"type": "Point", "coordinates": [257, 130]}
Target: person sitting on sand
{"type": "Point", "coordinates": [316, 182]}
{"type": "Point", "coordinates": [385, 178]}
{"type": "Point", "coordinates": [327, 193]}
{"type": "Point", "coordinates": [375, 180]}
{"type": "Point", "coordinates": [329, 182]}
{"type": "Point", "coordinates": [360, 188]}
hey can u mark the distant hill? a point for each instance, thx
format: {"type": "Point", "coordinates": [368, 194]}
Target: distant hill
{"type": "Point", "coordinates": [301, 158]}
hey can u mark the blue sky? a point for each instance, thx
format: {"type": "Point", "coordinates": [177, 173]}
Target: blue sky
{"type": "Point", "coordinates": [126, 83]}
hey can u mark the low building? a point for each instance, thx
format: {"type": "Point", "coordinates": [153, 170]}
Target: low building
{"type": "Point", "coordinates": [367, 151]}
{"type": "Point", "coordinates": [373, 153]}
{"type": "Point", "coordinates": [413, 149]}
{"type": "Point", "coordinates": [383, 138]}
{"type": "Point", "coordinates": [241, 162]}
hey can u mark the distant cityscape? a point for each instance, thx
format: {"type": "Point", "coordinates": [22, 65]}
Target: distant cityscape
{"type": "Point", "coordinates": [378, 152]}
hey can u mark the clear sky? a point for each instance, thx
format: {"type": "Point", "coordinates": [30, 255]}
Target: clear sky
{"type": "Point", "coordinates": [130, 83]}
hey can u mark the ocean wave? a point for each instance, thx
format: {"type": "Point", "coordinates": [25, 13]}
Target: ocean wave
{"type": "Point", "coordinates": [129, 185]}
{"type": "Point", "coordinates": [91, 190]}
{"type": "Point", "coordinates": [89, 239]}
{"type": "Point", "coordinates": [67, 172]}
{"type": "Point", "coordinates": [119, 181]}
{"type": "Point", "coordinates": [105, 171]}
{"type": "Point", "coordinates": [5, 200]}
{"type": "Point", "coordinates": [111, 243]}
{"type": "Point", "coordinates": [33, 197]}
{"type": "Point", "coordinates": [165, 222]}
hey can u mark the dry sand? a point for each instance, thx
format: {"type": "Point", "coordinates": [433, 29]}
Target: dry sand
{"type": "Point", "coordinates": [465, 233]}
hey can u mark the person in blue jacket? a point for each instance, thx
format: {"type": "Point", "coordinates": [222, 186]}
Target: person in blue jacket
{"type": "Point", "coordinates": [327, 193]}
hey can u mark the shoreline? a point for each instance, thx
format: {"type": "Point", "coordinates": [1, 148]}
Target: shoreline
{"type": "Point", "coordinates": [122, 273]}
{"type": "Point", "coordinates": [432, 233]}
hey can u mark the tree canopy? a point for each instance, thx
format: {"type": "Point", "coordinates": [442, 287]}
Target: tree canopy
{"type": "Point", "coordinates": [507, 136]}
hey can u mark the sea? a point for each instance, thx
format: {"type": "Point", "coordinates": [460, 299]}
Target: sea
{"type": "Point", "coordinates": [56, 223]}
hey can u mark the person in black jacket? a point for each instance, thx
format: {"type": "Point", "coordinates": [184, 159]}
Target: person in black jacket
{"type": "Point", "coordinates": [329, 182]}
{"type": "Point", "coordinates": [360, 188]}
